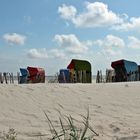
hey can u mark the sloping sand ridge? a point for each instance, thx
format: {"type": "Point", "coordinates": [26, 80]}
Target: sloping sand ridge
{"type": "Point", "coordinates": [114, 108]}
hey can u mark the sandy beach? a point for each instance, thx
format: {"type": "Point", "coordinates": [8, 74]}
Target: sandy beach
{"type": "Point", "coordinates": [114, 108]}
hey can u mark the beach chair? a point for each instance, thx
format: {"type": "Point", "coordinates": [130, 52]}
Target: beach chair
{"type": "Point", "coordinates": [24, 76]}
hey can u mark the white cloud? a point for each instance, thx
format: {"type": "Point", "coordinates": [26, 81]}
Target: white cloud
{"type": "Point", "coordinates": [114, 53]}
{"type": "Point", "coordinates": [70, 43]}
{"type": "Point", "coordinates": [67, 12]}
{"type": "Point", "coordinates": [111, 45]}
{"type": "Point", "coordinates": [110, 41]}
{"type": "Point", "coordinates": [96, 14]}
{"type": "Point", "coordinates": [37, 53]}
{"type": "Point", "coordinates": [55, 53]}
{"type": "Point", "coordinates": [134, 42]}
{"type": "Point", "coordinates": [113, 41]}
{"type": "Point", "coordinates": [132, 24]}
{"type": "Point", "coordinates": [43, 53]}
{"type": "Point", "coordinates": [68, 46]}
{"type": "Point", "coordinates": [14, 38]}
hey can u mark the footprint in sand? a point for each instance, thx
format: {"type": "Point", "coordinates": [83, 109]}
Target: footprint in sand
{"type": "Point", "coordinates": [115, 128]}
{"type": "Point", "coordinates": [30, 88]}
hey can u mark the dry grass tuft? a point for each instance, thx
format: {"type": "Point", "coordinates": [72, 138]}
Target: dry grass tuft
{"type": "Point", "coordinates": [70, 131]}
{"type": "Point", "coordinates": [10, 135]}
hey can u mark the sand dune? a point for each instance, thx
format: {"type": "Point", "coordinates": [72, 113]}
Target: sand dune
{"type": "Point", "coordinates": [114, 108]}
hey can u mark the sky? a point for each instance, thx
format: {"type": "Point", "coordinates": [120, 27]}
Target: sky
{"type": "Point", "coordinates": [49, 33]}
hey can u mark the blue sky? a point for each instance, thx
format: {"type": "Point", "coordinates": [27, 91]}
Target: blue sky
{"type": "Point", "coordinates": [48, 33]}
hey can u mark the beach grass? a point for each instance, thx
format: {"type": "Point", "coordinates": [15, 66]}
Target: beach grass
{"type": "Point", "coordinates": [70, 131]}
{"type": "Point", "coordinates": [10, 135]}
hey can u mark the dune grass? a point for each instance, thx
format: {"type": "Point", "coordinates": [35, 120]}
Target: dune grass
{"type": "Point", "coordinates": [10, 135]}
{"type": "Point", "coordinates": [70, 131]}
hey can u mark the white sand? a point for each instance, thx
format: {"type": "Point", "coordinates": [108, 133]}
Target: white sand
{"type": "Point", "coordinates": [114, 108]}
